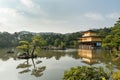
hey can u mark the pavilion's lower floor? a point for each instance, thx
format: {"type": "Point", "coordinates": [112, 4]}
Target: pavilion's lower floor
{"type": "Point", "coordinates": [89, 45]}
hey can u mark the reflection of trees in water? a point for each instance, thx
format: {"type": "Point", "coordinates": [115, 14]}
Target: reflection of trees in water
{"type": "Point", "coordinates": [92, 57]}
{"type": "Point", "coordinates": [49, 54]}
{"type": "Point", "coordinates": [57, 54]}
{"type": "Point", "coordinates": [36, 71]}
{"type": "Point", "coordinates": [24, 65]}
{"type": "Point", "coordinates": [110, 59]}
{"type": "Point", "coordinates": [43, 54]}
{"type": "Point", "coordinates": [104, 57]}
{"type": "Point", "coordinates": [112, 63]}
{"type": "Point", "coordinates": [4, 56]}
{"type": "Point", "coordinates": [73, 55]}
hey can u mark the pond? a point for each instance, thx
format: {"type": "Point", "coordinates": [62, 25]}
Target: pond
{"type": "Point", "coordinates": [51, 64]}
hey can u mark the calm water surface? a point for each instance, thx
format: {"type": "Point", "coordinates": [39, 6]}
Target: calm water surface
{"type": "Point", "coordinates": [50, 65]}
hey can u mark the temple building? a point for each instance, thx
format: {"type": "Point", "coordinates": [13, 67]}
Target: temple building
{"type": "Point", "coordinates": [89, 40]}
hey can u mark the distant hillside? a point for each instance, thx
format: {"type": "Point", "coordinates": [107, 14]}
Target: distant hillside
{"type": "Point", "coordinates": [51, 38]}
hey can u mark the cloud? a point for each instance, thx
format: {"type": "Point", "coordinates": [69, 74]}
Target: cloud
{"type": "Point", "coordinates": [29, 4]}
{"type": "Point", "coordinates": [8, 15]}
{"type": "Point", "coordinates": [113, 15]}
{"type": "Point", "coordinates": [10, 12]}
{"type": "Point", "coordinates": [32, 9]}
{"type": "Point", "coordinates": [94, 16]}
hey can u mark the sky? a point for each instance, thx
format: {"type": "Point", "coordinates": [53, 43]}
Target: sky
{"type": "Point", "coordinates": [59, 16]}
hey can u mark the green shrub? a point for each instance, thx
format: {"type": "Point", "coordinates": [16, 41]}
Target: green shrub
{"type": "Point", "coordinates": [86, 73]}
{"type": "Point", "coordinates": [116, 75]}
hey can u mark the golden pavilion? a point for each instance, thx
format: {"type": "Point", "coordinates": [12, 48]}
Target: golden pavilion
{"type": "Point", "coordinates": [89, 40]}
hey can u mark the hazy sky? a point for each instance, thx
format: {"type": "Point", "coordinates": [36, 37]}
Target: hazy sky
{"type": "Point", "coordinates": [61, 16]}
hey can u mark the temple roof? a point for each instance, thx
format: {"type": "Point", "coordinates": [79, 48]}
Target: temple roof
{"type": "Point", "coordinates": [93, 31]}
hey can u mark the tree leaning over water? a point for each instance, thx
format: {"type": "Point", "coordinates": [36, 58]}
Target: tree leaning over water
{"type": "Point", "coordinates": [31, 47]}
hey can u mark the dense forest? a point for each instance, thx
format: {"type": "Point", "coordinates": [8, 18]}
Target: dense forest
{"type": "Point", "coordinates": [51, 39]}
{"type": "Point", "coordinates": [110, 38]}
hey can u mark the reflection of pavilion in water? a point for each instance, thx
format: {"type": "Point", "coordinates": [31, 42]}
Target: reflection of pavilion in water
{"type": "Point", "coordinates": [89, 56]}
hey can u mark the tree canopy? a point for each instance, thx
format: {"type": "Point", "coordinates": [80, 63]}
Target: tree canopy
{"type": "Point", "coordinates": [86, 73]}
{"type": "Point", "coordinates": [30, 47]}
{"type": "Point", "coordinates": [112, 40]}
{"type": "Point", "coordinates": [50, 39]}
